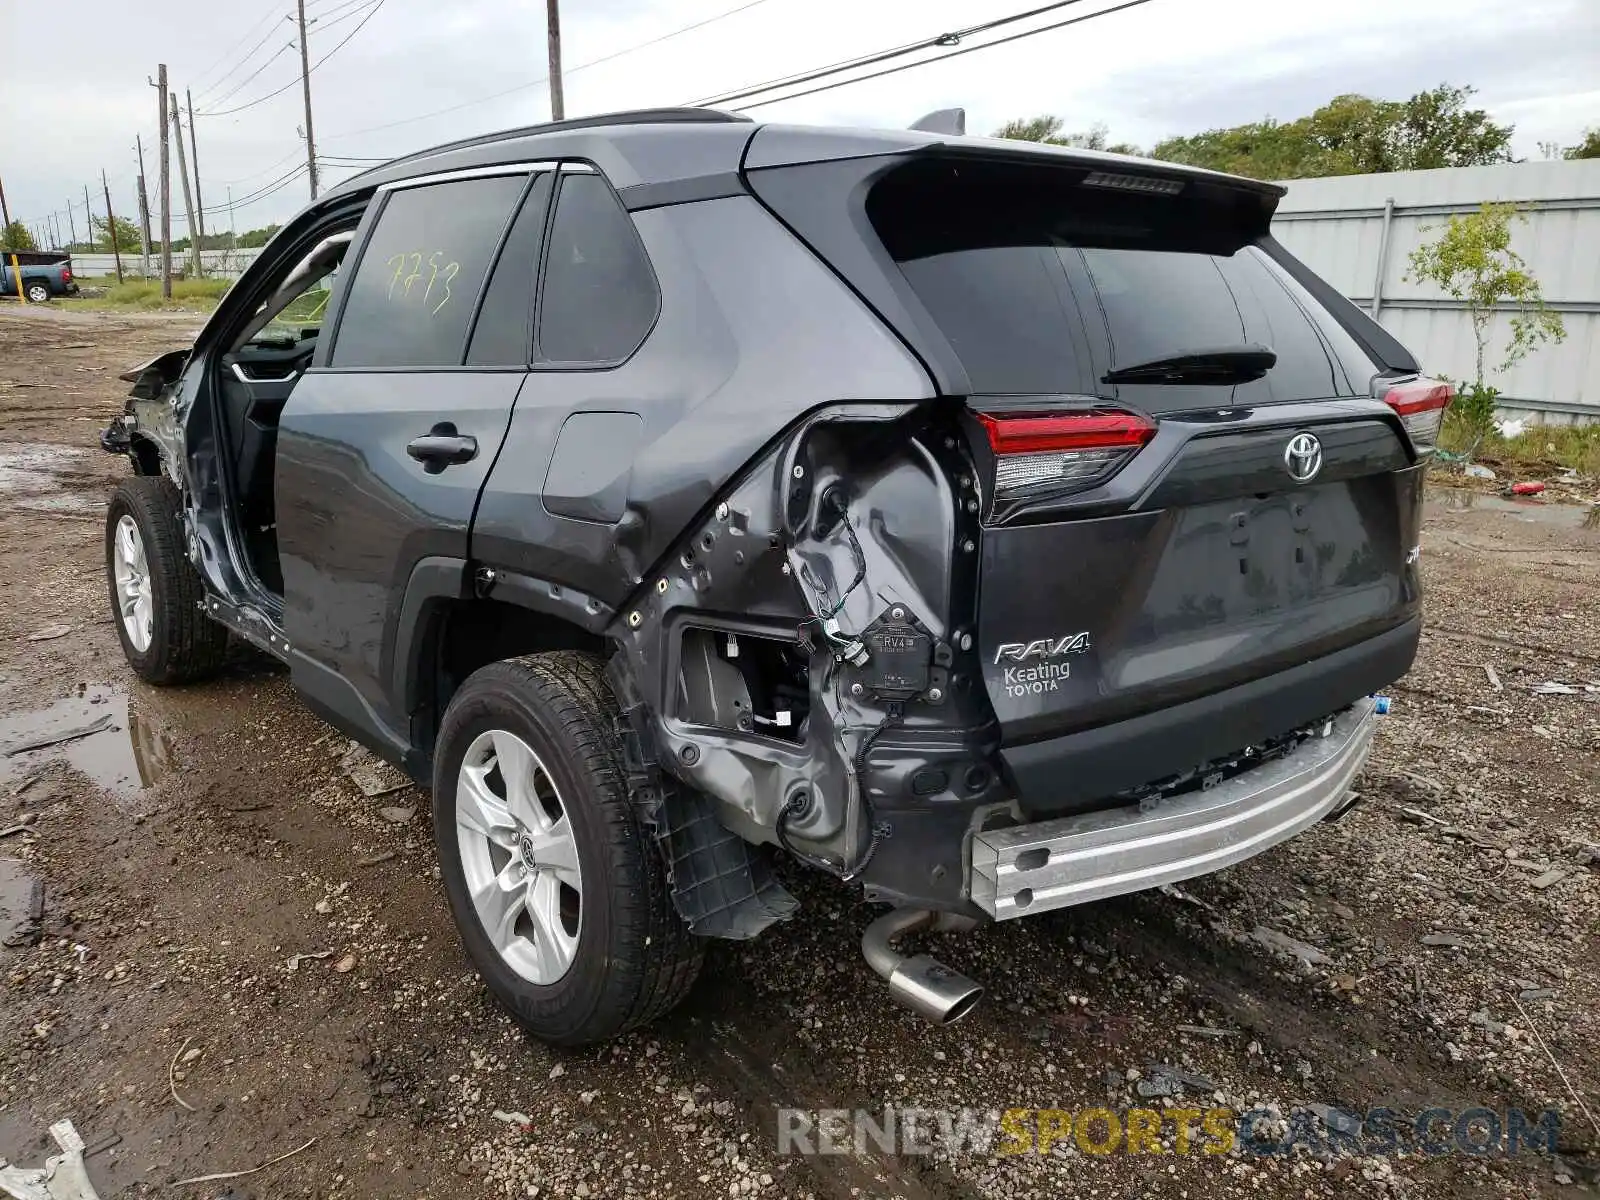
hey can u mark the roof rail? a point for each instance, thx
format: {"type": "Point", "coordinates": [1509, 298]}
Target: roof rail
{"type": "Point", "coordinates": [635, 116]}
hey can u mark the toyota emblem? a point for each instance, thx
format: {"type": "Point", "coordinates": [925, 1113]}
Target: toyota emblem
{"type": "Point", "coordinates": [1303, 457]}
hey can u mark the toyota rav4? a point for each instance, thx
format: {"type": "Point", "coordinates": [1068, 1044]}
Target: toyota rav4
{"type": "Point", "coordinates": [992, 526]}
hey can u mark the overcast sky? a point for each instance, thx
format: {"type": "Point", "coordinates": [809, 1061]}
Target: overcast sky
{"type": "Point", "coordinates": [73, 99]}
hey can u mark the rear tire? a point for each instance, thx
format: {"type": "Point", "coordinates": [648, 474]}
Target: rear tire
{"type": "Point", "coordinates": [37, 293]}
{"type": "Point", "coordinates": [611, 953]}
{"type": "Point", "coordinates": [156, 594]}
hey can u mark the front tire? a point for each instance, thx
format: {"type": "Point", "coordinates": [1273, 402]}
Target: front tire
{"type": "Point", "coordinates": [156, 595]}
{"type": "Point", "coordinates": [560, 896]}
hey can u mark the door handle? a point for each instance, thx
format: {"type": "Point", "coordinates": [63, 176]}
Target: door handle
{"type": "Point", "coordinates": [442, 447]}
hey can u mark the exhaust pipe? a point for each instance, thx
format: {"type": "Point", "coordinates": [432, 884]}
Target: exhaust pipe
{"type": "Point", "coordinates": [923, 984]}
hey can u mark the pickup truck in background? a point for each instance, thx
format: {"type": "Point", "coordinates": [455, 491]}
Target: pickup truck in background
{"type": "Point", "coordinates": [43, 275]}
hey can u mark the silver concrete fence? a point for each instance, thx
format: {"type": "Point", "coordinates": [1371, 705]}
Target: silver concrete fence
{"type": "Point", "coordinates": [225, 264]}
{"type": "Point", "coordinates": [1358, 231]}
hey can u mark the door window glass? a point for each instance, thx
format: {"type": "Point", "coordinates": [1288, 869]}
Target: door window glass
{"type": "Point", "coordinates": [599, 297]}
{"type": "Point", "coordinates": [418, 280]}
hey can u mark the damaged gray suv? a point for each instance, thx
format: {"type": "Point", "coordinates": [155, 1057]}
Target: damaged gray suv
{"type": "Point", "coordinates": [994, 527]}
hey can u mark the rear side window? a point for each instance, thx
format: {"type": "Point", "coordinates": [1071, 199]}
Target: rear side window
{"type": "Point", "coordinates": [600, 297]}
{"type": "Point", "coordinates": [1043, 286]}
{"type": "Point", "coordinates": [416, 286]}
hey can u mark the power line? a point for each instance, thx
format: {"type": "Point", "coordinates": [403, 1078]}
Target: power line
{"type": "Point", "coordinates": [950, 38]}
{"type": "Point", "coordinates": [271, 189]}
{"type": "Point", "coordinates": [248, 79]}
{"type": "Point", "coordinates": [1015, 37]}
{"type": "Point", "coordinates": [372, 12]}
{"type": "Point", "coordinates": [339, 6]}
{"type": "Point", "coordinates": [228, 53]}
{"type": "Point", "coordinates": [533, 83]}
{"type": "Point", "coordinates": [267, 170]}
{"type": "Point", "coordinates": [324, 25]}
{"type": "Point", "coordinates": [240, 65]}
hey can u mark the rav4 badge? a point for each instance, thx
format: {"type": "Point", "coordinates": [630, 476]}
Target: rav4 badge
{"type": "Point", "coordinates": [1072, 643]}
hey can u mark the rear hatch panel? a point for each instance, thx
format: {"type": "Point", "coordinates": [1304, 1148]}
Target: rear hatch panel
{"type": "Point", "coordinates": [1217, 575]}
{"type": "Point", "coordinates": [1203, 558]}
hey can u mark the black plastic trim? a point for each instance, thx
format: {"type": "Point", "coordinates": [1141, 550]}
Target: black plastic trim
{"type": "Point", "coordinates": [720, 186]}
{"type": "Point", "coordinates": [1072, 773]}
{"type": "Point", "coordinates": [1381, 345]}
{"type": "Point", "coordinates": [434, 579]}
{"type": "Point", "coordinates": [336, 700]}
{"type": "Point", "coordinates": [553, 600]}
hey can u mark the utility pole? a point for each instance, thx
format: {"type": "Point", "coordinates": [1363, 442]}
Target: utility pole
{"type": "Point", "coordinates": [72, 227]}
{"type": "Point", "coordinates": [188, 196]}
{"type": "Point", "coordinates": [111, 224]}
{"type": "Point", "coordinates": [166, 189]}
{"type": "Point", "coordinates": [305, 83]}
{"type": "Point", "coordinates": [233, 237]}
{"type": "Point", "coordinates": [88, 217]}
{"type": "Point", "coordinates": [194, 157]}
{"type": "Point", "coordinates": [558, 104]}
{"type": "Point", "coordinates": [5, 209]}
{"type": "Point", "coordinates": [144, 213]}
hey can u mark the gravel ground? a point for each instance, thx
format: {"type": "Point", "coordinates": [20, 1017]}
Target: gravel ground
{"type": "Point", "coordinates": [1435, 947]}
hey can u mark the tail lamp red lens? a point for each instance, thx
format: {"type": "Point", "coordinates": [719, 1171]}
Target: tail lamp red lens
{"type": "Point", "coordinates": [1053, 452]}
{"type": "Point", "coordinates": [1420, 405]}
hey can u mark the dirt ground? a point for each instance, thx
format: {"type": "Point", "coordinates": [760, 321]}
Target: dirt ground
{"type": "Point", "coordinates": [169, 867]}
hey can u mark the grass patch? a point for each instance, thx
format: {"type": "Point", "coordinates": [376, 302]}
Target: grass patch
{"type": "Point", "coordinates": [1539, 450]}
{"type": "Point", "coordinates": [201, 294]}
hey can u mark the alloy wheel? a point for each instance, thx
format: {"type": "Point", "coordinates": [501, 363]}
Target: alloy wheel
{"type": "Point", "coordinates": [131, 569]}
{"type": "Point", "coordinates": [519, 856]}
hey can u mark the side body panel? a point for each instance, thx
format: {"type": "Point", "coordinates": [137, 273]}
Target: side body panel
{"type": "Point", "coordinates": [356, 513]}
{"type": "Point", "coordinates": [753, 333]}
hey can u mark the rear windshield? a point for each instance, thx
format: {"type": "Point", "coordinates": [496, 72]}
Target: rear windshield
{"type": "Point", "coordinates": [1043, 285]}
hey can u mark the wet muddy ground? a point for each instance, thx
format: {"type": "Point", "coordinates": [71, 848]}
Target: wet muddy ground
{"type": "Point", "coordinates": [219, 948]}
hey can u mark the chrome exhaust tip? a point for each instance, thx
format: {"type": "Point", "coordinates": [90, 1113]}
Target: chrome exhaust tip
{"type": "Point", "coordinates": [923, 984]}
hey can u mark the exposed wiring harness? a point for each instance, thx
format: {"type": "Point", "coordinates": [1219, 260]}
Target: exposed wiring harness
{"type": "Point", "coordinates": [825, 614]}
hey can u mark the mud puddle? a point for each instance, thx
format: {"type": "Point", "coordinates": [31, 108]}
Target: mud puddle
{"type": "Point", "coordinates": [1538, 512]}
{"type": "Point", "coordinates": [21, 899]}
{"type": "Point", "coordinates": [95, 732]}
{"type": "Point", "coordinates": [32, 478]}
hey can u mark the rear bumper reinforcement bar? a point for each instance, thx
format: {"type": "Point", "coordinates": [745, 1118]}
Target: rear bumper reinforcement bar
{"type": "Point", "coordinates": [1051, 864]}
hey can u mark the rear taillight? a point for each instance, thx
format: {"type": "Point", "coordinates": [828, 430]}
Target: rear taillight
{"type": "Point", "coordinates": [66, 275]}
{"type": "Point", "coordinates": [1051, 452]}
{"type": "Point", "coordinates": [1420, 405]}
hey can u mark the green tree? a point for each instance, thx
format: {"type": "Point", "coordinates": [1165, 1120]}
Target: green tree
{"type": "Point", "coordinates": [255, 238]}
{"type": "Point", "coordinates": [1588, 148]}
{"type": "Point", "coordinates": [1353, 135]}
{"type": "Point", "coordinates": [127, 235]}
{"type": "Point", "coordinates": [1047, 129]}
{"type": "Point", "coordinates": [15, 236]}
{"type": "Point", "coordinates": [1437, 129]}
{"type": "Point", "coordinates": [1472, 261]}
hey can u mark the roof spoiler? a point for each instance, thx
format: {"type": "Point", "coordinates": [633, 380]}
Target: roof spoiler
{"type": "Point", "coordinates": [952, 121]}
